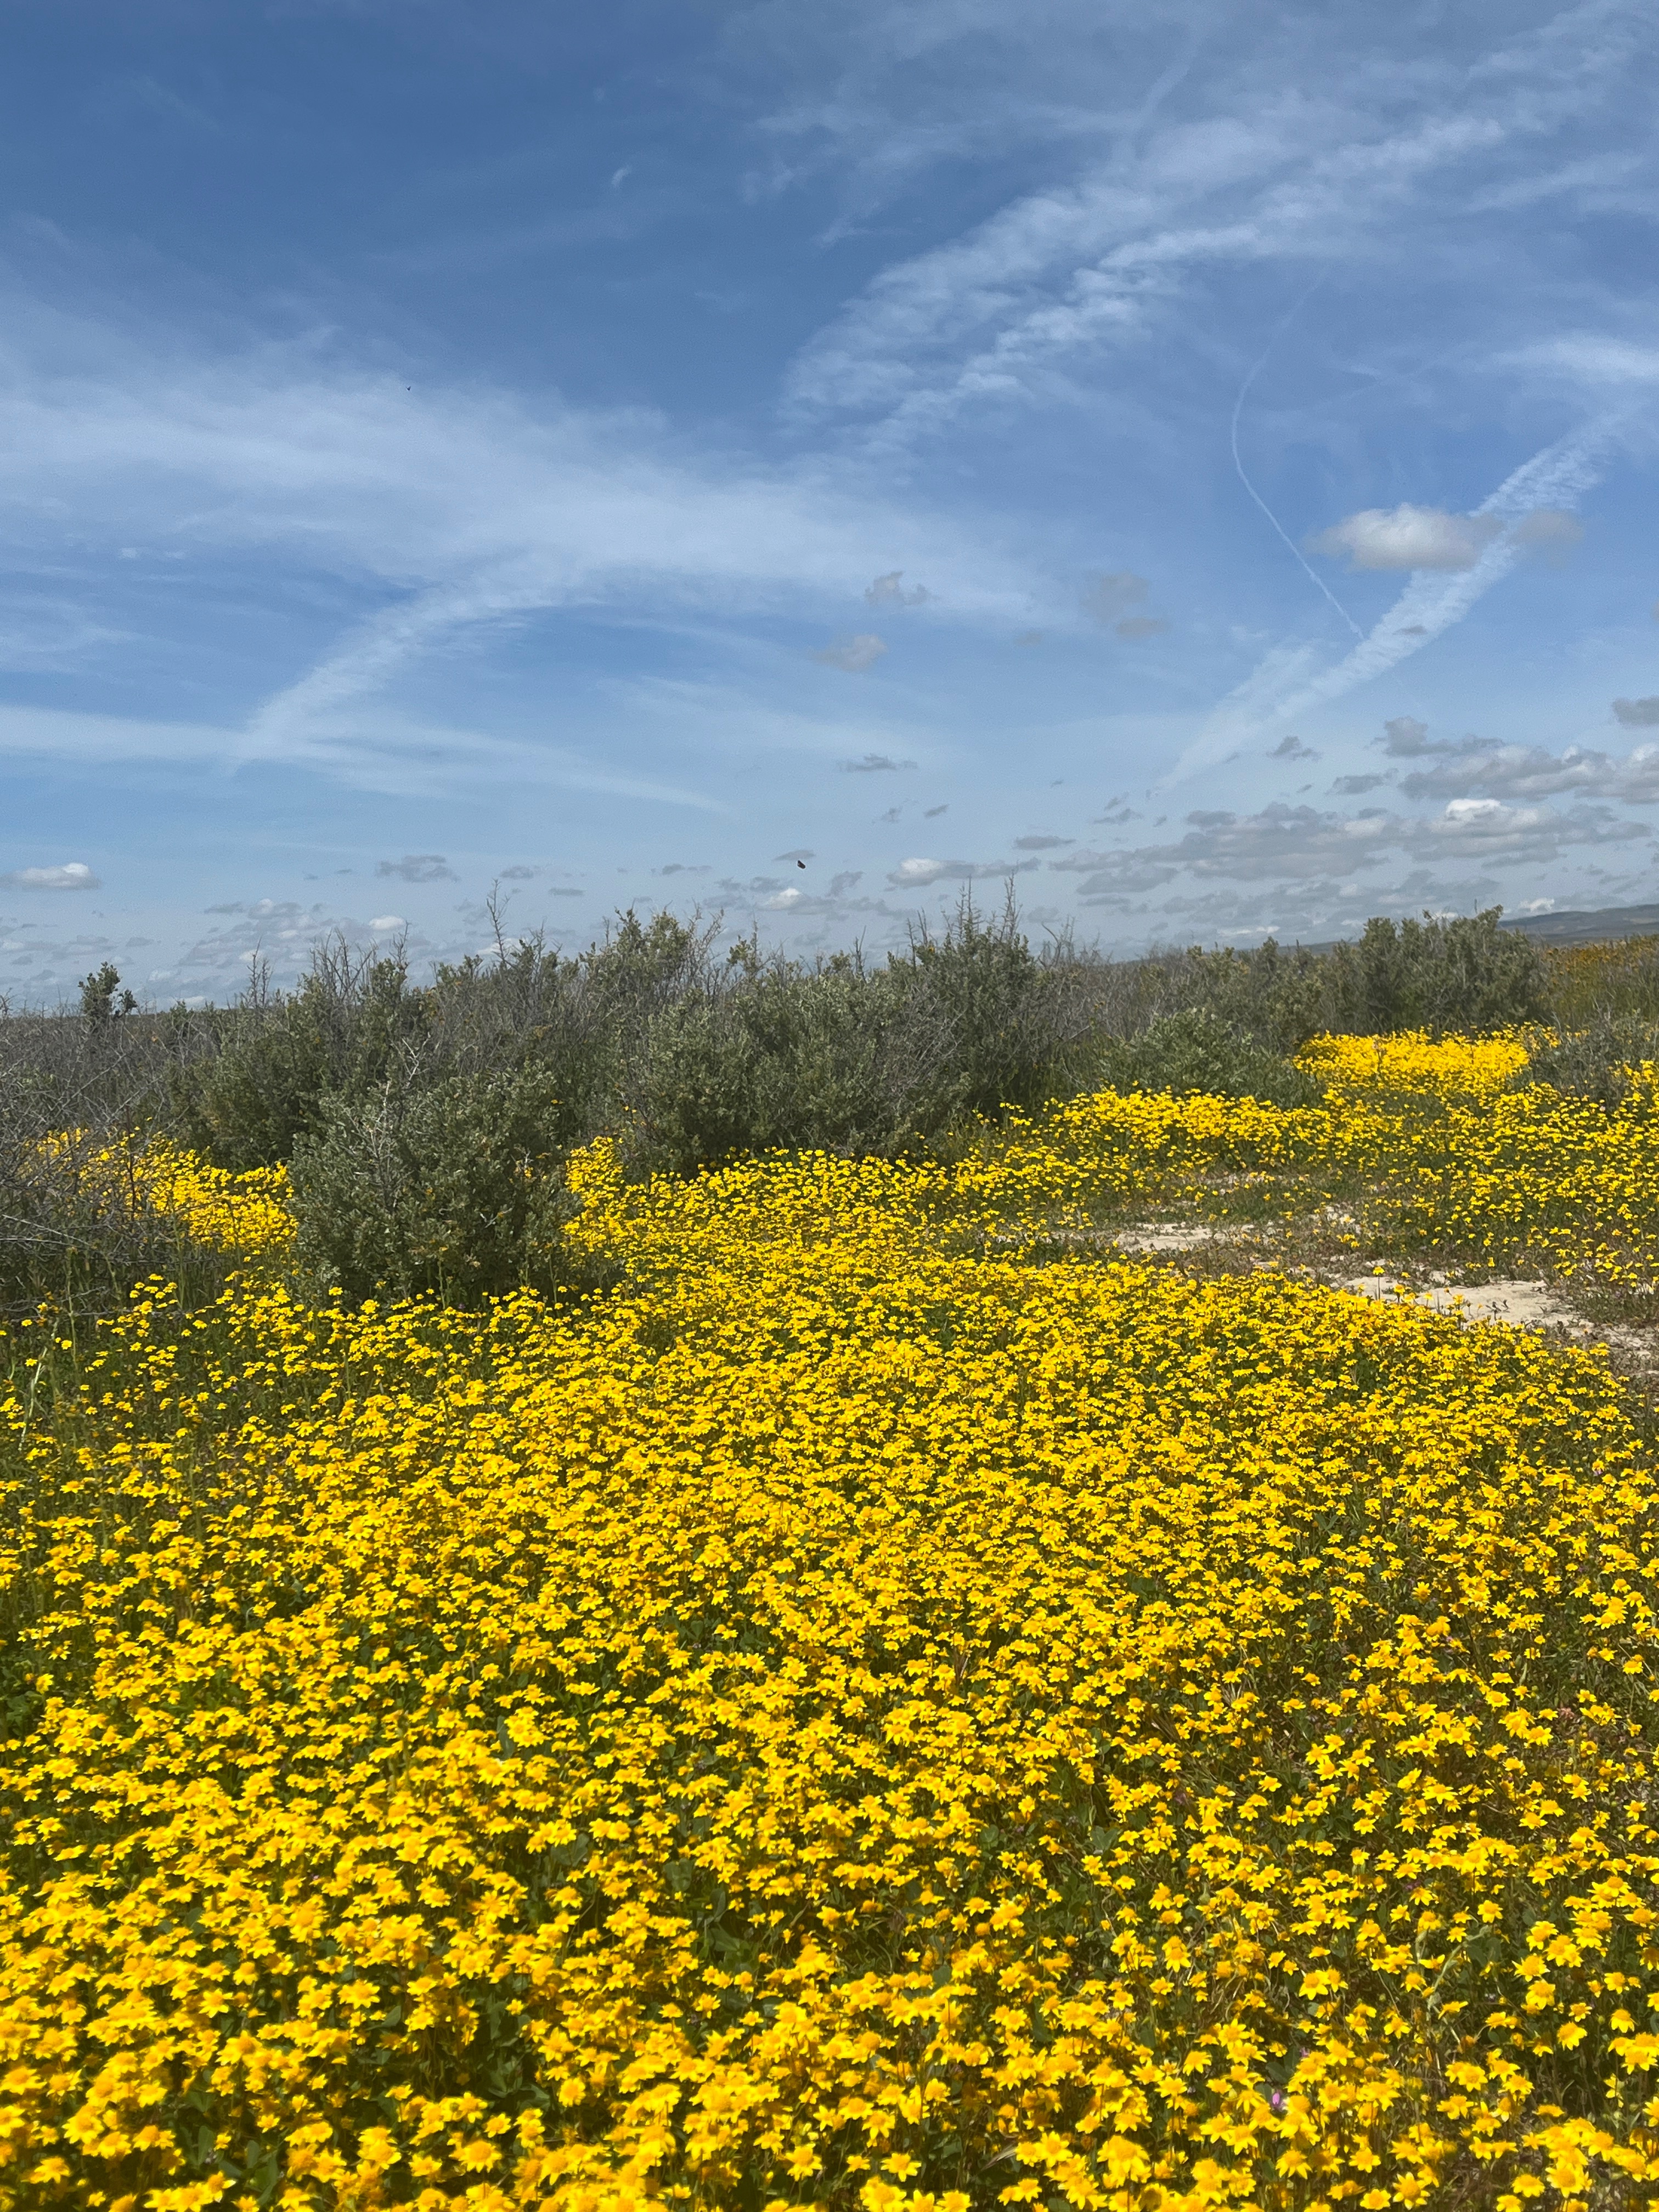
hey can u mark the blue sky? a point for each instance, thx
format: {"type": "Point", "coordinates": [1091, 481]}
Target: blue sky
{"type": "Point", "coordinates": [1195, 460]}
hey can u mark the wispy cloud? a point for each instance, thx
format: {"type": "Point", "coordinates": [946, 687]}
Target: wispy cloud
{"type": "Point", "coordinates": [464, 508]}
{"type": "Point", "coordinates": [418, 868]}
{"type": "Point", "coordinates": [916, 874]}
{"type": "Point", "coordinates": [853, 655]}
{"type": "Point", "coordinates": [1293, 176]}
{"type": "Point", "coordinates": [1289, 682]}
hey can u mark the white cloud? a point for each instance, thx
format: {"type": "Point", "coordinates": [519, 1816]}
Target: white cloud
{"type": "Point", "coordinates": [69, 875]}
{"type": "Point", "coordinates": [1484, 768]}
{"type": "Point", "coordinates": [1303, 844]}
{"type": "Point", "coordinates": [461, 506]}
{"type": "Point", "coordinates": [1289, 680]}
{"type": "Point", "coordinates": [382, 922]}
{"type": "Point", "coordinates": [852, 654]}
{"type": "Point", "coordinates": [1295, 160]}
{"type": "Point", "coordinates": [1408, 537]}
{"type": "Point", "coordinates": [916, 873]}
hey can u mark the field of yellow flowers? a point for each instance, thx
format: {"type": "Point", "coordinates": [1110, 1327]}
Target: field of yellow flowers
{"type": "Point", "coordinates": [866, 1713]}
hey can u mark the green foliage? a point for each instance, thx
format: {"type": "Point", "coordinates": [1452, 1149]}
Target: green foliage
{"type": "Point", "coordinates": [450, 1187]}
{"type": "Point", "coordinates": [279, 1059]}
{"type": "Point", "coordinates": [1192, 1052]}
{"type": "Point", "coordinates": [98, 1000]}
{"type": "Point", "coordinates": [1596, 1061]}
{"type": "Point", "coordinates": [782, 1058]}
{"type": "Point", "coordinates": [1462, 974]}
{"type": "Point", "coordinates": [427, 1122]}
{"type": "Point", "coordinates": [846, 1059]}
{"type": "Point", "coordinates": [1588, 983]}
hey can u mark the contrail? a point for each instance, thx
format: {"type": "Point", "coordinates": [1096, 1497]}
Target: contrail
{"type": "Point", "coordinates": [1283, 687]}
{"type": "Point", "coordinates": [1279, 329]}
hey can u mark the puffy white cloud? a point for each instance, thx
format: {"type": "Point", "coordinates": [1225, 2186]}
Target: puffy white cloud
{"type": "Point", "coordinates": [382, 923]}
{"type": "Point", "coordinates": [1407, 537]}
{"type": "Point", "coordinates": [853, 654]}
{"type": "Point", "coordinates": [69, 876]}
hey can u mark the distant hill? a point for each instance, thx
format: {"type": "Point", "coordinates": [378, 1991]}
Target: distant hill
{"type": "Point", "coordinates": [1598, 928]}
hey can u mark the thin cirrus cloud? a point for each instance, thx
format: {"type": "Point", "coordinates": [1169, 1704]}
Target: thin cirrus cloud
{"type": "Point", "coordinates": [285, 556]}
{"type": "Point", "coordinates": [477, 508]}
{"type": "Point", "coordinates": [917, 873]}
{"type": "Point", "coordinates": [418, 868]}
{"type": "Point", "coordinates": [1328, 169]}
{"type": "Point", "coordinates": [1293, 678]}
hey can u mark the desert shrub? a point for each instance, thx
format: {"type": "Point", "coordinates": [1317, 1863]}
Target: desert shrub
{"type": "Point", "coordinates": [450, 1187]}
{"type": "Point", "coordinates": [1585, 983]}
{"type": "Point", "coordinates": [1282, 996]}
{"type": "Point", "coordinates": [1458, 974]}
{"type": "Point", "coordinates": [276, 1058]}
{"type": "Point", "coordinates": [847, 1058]}
{"type": "Point", "coordinates": [986, 1015]}
{"type": "Point", "coordinates": [1194, 1052]}
{"type": "Point", "coordinates": [79, 1093]}
{"type": "Point", "coordinates": [1596, 1061]}
{"type": "Point", "coordinates": [1461, 973]}
{"type": "Point", "coordinates": [818, 1061]}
